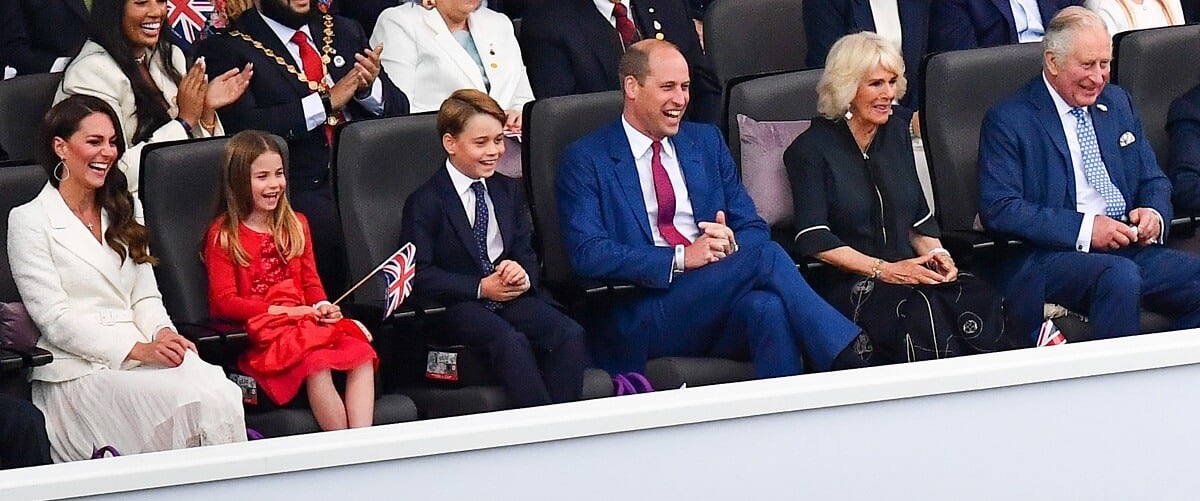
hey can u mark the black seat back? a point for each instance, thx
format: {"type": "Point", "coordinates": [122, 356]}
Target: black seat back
{"type": "Point", "coordinates": [550, 125]}
{"type": "Point", "coordinates": [18, 185]}
{"type": "Point", "coordinates": [180, 181]}
{"type": "Point", "coordinates": [24, 100]}
{"type": "Point", "coordinates": [745, 37]}
{"type": "Point", "coordinates": [377, 165]}
{"type": "Point", "coordinates": [1156, 66]}
{"type": "Point", "coordinates": [959, 88]}
{"type": "Point", "coordinates": [774, 97]}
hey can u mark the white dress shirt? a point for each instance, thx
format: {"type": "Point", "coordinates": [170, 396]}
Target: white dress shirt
{"type": "Point", "coordinates": [1028, 20]}
{"type": "Point", "coordinates": [886, 14]}
{"type": "Point", "coordinates": [1088, 199]}
{"type": "Point", "coordinates": [462, 186]}
{"type": "Point", "coordinates": [685, 219]}
{"type": "Point", "coordinates": [314, 110]}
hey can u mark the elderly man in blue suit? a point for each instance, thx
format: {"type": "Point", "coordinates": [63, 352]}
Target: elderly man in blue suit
{"type": "Point", "coordinates": [656, 201]}
{"type": "Point", "coordinates": [967, 24]}
{"type": "Point", "coordinates": [1064, 167]}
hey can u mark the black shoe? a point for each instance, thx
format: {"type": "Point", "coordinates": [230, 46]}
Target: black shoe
{"type": "Point", "coordinates": [856, 355]}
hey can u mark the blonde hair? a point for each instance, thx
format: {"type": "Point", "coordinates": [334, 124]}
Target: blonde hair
{"type": "Point", "coordinates": [236, 201]}
{"type": "Point", "coordinates": [849, 61]}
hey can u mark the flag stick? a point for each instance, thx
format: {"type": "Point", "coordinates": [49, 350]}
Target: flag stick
{"type": "Point", "coordinates": [364, 280]}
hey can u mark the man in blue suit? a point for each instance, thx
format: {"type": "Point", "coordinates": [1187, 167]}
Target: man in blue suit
{"type": "Point", "coordinates": [967, 24]}
{"type": "Point", "coordinates": [23, 439]}
{"type": "Point", "coordinates": [1183, 126]}
{"type": "Point", "coordinates": [655, 201]}
{"type": "Point", "coordinates": [1064, 166]}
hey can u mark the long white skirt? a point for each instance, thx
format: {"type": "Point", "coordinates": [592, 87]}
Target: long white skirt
{"type": "Point", "coordinates": [141, 410]}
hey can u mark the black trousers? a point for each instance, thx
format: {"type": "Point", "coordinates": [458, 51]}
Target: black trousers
{"type": "Point", "coordinates": [23, 439]}
{"type": "Point", "coordinates": [511, 335]}
{"type": "Point", "coordinates": [329, 248]}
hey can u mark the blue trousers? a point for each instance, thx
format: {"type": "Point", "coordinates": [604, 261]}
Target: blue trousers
{"type": "Point", "coordinates": [1112, 287]}
{"type": "Point", "coordinates": [511, 335]}
{"type": "Point", "coordinates": [752, 304]}
{"type": "Point", "coordinates": [23, 439]}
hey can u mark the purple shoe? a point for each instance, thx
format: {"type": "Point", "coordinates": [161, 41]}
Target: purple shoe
{"type": "Point", "coordinates": [253, 434]}
{"type": "Point", "coordinates": [99, 453]}
{"type": "Point", "coordinates": [622, 386]}
{"type": "Point", "coordinates": [639, 382]}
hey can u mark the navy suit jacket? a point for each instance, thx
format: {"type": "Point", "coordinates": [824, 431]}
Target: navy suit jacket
{"type": "Point", "coordinates": [36, 32]}
{"type": "Point", "coordinates": [1183, 126]}
{"type": "Point", "coordinates": [569, 48]}
{"type": "Point", "coordinates": [826, 21]}
{"type": "Point", "coordinates": [448, 265]}
{"type": "Point", "coordinates": [967, 24]}
{"type": "Point", "coordinates": [272, 102]}
{"type": "Point", "coordinates": [1027, 182]}
{"type": "Point", "coordinates": [606, 230]}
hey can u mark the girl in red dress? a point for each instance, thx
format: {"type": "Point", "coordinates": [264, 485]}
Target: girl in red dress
{"type": "Point", "coordinates": [261, 271]}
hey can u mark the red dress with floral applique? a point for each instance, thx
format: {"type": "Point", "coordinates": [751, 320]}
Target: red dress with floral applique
{"type": "Point", "coordinates": [284, 349]}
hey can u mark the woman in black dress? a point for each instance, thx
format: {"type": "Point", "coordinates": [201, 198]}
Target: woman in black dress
{"type": "Point", "coordinates": [858, 204]}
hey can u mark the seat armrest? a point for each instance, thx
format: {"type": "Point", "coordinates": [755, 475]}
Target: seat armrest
{"type": "Point", "coordinates": [12, 358]}
{"type": "Point", "coordinates": [412, 309]}
{"type": "Point", "coordinates": [215, 331]}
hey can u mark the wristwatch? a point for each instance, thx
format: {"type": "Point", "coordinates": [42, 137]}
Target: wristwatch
{"type": "Point", "coordinates": [331, 117]}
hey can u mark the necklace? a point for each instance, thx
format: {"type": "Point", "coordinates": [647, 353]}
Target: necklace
{"type": "Point", "coordinates": [326, 50]}
{"type": "Point", "coordinates": [79, 214]}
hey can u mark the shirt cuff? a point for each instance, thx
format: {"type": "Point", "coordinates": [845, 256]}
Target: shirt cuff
{"type": "Point", "coordinates": [1162, 226]}
{"type": "Point", "coordinates": [677, 264]}
{"type": "Point", "coordinates": [1083, 242]}
{"type": "Point", "coordinates": [479, 290]}
{"type": "Point", "coordinates": [319, 304]}
{"type": "Point", "coordinates": [59, 64]}
{"type": "Point", "coordinates": [373, 103]}
{"type": "Point", "coordinates": [314, 111]}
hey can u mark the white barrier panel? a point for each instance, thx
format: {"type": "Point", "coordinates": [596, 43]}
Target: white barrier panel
{"type": "Point", "coordinates": [1102, 420]}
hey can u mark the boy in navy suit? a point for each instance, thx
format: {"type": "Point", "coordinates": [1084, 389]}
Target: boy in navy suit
{"type": "Point", "coordinates": [474, 254]}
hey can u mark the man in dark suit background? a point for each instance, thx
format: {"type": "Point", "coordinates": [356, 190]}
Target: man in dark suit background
{"type": "Point", "coordinates": [1065, 167]}
{"type": "Point", "coordinates": [23, 439]}
{"type": "Point", "coordinates": [475, 255]}
{"type": "Point", "coordinates": [967, 24]}
{"type": "Point", "coordinates": [39, 33]}
{"type": "Point", "coordinates": [301, 99]}
{"type": "Point", "coordinates": [656, 201]}
{"type": "Point", "coordinates": [575, 47]}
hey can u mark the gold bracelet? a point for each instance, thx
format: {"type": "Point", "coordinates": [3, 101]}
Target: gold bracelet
{"type": "Point", "coordinates": [876, 271]}
{"type": "Point", "coordinates": [210, 127]}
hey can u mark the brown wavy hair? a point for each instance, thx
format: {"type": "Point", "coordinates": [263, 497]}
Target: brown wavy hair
{"type": "Point", "coordinates": [235, 201]}
{"type": "Point", "coordinates": [125, 235]}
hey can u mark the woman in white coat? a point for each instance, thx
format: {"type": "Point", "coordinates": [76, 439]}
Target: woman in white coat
{"type": "Point", "coordinates": [121, 374]}
{"type": "Point", "coordinates": [458, 44]}
{"type": "Point", "coordinates": [141, 75]}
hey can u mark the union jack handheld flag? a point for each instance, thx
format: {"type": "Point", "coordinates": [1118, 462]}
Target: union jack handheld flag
{"type": "Point", "coordinates": [398, 272]}
{"type": "Point", "coordinates": [190, 20]}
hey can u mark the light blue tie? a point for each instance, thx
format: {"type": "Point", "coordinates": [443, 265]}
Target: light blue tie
{"type": "Point", "coordinates": [1093, 167]}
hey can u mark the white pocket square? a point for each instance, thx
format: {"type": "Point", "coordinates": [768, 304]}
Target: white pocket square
{"type": "Point", "coordinates": [1127, 139]}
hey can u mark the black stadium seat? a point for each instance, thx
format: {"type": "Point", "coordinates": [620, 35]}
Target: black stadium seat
{"type": "Point", "coordinates": [180, 181]}
{"type": "Point", "coordinates": [550, 125]}
{"type": "Point", "coordinates": [24, 100]}
{"type": "Point", "coordinates": [745, 37]}
{"type": "Point", "coordinates": [1156, 66]}
{"type": "Point", "coordinates": [959, 88]}
{"type": "Point", "coordinates": [18, 185]}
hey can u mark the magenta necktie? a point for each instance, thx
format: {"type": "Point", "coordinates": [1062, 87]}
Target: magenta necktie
{"type": "Point", "coordinates": [624, 26]}
{"type": "Point", "coordinates": [665, 193]}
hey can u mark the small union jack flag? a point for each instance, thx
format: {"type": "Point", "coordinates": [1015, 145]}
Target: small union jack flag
{"type": "Point", "coordinates": [1049, 335]}
{"type": "Point", "coordinates": [398, 272]}
{"type": "Point", "coordinates": [190, 20]}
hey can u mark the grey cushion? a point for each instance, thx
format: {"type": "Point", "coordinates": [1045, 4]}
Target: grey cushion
{"type": "Point", "coordinates": [763, 172]}
{"type": "Point", "coordinates": [669, 373]}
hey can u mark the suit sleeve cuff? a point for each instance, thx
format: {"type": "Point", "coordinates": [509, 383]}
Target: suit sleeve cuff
{"type": "Point", "coordinates": [1162, 226]}
{"type": "Point", "coordinates": [1083, 242]}
{"type": "Point", "coordinates": [373, 102]}
{"type": "Point", "coordinates": [314, 111]}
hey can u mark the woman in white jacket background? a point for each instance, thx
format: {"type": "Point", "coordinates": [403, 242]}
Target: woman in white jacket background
{"type": "Point", "coordinates": [1125, 15]}
{"type": "Point", "coordinates": [121, 375]}
{"type": "Point", "coordinates": [456, 44]}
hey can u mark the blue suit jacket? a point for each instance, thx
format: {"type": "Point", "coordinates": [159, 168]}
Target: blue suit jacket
{"type": "Point", "coordinates": [826, 21]}
{"type": "Point", "coordinates": [606, 230]}
{"type": "Point", "coordinates": [448, 265]}
{"type": "Point", "coordinates": [967, 24]}
{"type": "Point", "coordinates": [1027, 182]}
{"type": "Point", "coordinates": [1183, 126]}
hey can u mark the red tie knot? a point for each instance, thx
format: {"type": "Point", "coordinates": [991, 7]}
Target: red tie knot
{"type": "Point", "coordinates": [299, 38]}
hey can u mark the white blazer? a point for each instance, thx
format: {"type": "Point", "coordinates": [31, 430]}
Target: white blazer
{"type": "Point", "coordinates": [427, 63]}
{"type": "Point", "coordinates": [90, 306]}
{"type": "Point", "coordinates": [1120, 16]}
{"type": "Point", "coordinates": [95, 73]}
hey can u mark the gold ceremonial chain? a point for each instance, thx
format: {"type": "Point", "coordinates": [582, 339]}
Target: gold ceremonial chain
{"type": "Point", "coordinates": [326, 50]}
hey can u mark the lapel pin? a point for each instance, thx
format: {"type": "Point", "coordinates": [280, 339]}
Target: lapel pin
{"type": "Point", "coordinates": [1127, 139]}
{"type": "Point", "coordinates": [494, 66]}
{"type": "Point", "coordinates": [339, 61]}
{"type": "Point", "coordinates": [657, 26]}
{"type": "Point", "coordinates": [1101, 107]}
{"type": "Point", "coordinates": [658, 36]}
{"type": "Point", "coordinates": [651, 10]}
